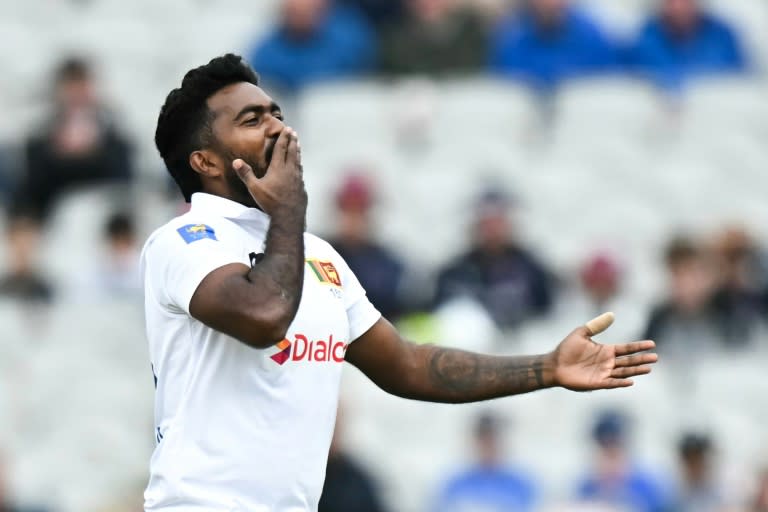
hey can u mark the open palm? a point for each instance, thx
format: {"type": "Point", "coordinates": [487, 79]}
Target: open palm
{"type": "Point", "coordinates": [582, 364]}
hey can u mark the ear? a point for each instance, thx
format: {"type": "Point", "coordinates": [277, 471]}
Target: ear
{"type": "Point", "coordinates": [205, 163]}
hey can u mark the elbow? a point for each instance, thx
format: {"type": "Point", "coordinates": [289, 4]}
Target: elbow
{"type": "Point", "coordinates": [267, 328]}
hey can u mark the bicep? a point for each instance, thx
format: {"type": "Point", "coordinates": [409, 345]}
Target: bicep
{"type": "Point", "coordinates": [384, 357]}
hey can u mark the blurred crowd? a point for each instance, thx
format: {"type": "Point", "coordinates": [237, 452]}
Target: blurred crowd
{"type": "Point", "coordinates": [716, 293]}
{"type": "Point", "coordinates": [614, 480]}
{"type": "Point", "coordinates": [540, 42]}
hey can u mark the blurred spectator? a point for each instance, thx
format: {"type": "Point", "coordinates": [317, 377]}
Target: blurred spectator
{"type": "Point", "coordinates": [549, 41]}
{"type": "Point", "coordinates": [686, 322]}
{"type": "Point", "coordinates": [601, 279]}
{"type": "Point", "coordinates": [761, 498]}
{"type": "Point", "coordinates": [116, 275]}
{"type": "Point", "coordinates": [23, 280]}
{"type": "Point", "coordinates": [740, 296]}
{"type": "Point", "coordinates": [699, 491]}
{"type": "Point", "coordinates": [682, 39]}
{"type": "Point", "coordinates": [347, 487]}
{"type": "Point", "coordinates": [497, 271]}
{"type": "Point", "coordinates": [436, 38]}
{"type": "Point", "coordinates": [314, 41]}
{"type": "Point", "coordinates": [80, 144]}
{"type": "Point", "coordinates": [488, 485]}
{"type": "Point", "coordinates": [602, 287]}
{"type": "Point", "coordinates": [380, 13]}
{"type": "Point", "coordinates": [378, 270]}
{"type": "Point", "coordinates": [615, 479]}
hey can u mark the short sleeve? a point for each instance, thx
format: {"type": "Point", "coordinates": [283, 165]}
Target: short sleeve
{"type": "Point", "coordinates": [361, 314]}
{"type": "Point", "coordinates": [177, 260]}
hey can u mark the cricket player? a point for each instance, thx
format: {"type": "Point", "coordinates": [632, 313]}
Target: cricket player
{"type": "Point", "coordinates": [249, 318]}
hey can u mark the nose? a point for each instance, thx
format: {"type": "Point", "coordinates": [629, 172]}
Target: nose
{"type": "Point", "coordinates": [274, 127]}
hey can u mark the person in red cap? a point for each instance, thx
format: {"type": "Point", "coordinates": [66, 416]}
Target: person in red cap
{"type": "Point", "coordinates": [378, 269]}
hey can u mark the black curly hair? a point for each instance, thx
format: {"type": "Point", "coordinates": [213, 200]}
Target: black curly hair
{"type": "Point", "coordinates": [184, 124]}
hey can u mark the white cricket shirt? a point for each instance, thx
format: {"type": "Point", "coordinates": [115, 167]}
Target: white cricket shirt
{"type": "Point", "coordinates": [241, 429]}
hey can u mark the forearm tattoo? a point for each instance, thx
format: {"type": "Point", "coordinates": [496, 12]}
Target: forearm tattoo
{"type": "Point", "coordinates": [455, 375]}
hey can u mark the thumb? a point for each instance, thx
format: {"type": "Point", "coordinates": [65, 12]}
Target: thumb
{"type": "Point", "coordinates": [243, 170]}
{"type": "Point", "coordinates": [248, 177]}
{"type": "Point", "coordinates": [599, 324]}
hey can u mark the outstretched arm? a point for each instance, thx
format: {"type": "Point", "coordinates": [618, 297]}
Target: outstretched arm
{"type": "Point", "coordinates": [436, 374]}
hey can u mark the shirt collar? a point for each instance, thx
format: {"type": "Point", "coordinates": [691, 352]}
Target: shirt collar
{"type": "Point", "coordinates": [217, 205]}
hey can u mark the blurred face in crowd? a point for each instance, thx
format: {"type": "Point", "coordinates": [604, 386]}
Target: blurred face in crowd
{"type": "Point", "coordinates": [354, 226]}
{"type": "Point", "coordinates": [734, 249]}
{"type": "Point", "coordinates": [680, 15]}
{"type": "Point", "coordinates": [78, 130]}
{"type": "Point", "coordinates": [692, 282]}
{"type": "Point", "coordinates": [75, 92]}
{"type": "Point", "coordinates": [696, 466]}
{"type": "Point", "coordinates": [429, 10]}
{"type": "Point", "coordinates": [611, 458]}
{"type": "Point", "coordinates": [548, 12]}
{"type": "Point", "coordinates": [301, 17]}
{"type": "Point", "coordinates": [246, 125]}
{"type": "Point", "coordinates": [23, 239]}
{"type": "Point", "coordinates": [493, 230]}
{"type": "Point", "coordinates": [488, 447]}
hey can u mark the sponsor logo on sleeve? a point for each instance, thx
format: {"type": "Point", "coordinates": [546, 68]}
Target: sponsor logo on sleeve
{"type": "Point", "coordinates": [194, 232]}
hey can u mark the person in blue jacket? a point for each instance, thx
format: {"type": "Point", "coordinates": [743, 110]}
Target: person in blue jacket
{"type": "Point", "coordinates": [681, 41]}
{"type": "Point", "coordinates": [549, 41]}
{"type": "Point", "coordinates": [313, 41]}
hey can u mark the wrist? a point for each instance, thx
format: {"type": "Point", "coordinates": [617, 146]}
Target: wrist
{"type": "Point", "coordinates": [288, 217]}
{"type": "Point", "coordinates": [548, 368]}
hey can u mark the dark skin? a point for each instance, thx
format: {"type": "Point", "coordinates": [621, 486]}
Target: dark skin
{"type": "Point", "coordinates": [256, 305]}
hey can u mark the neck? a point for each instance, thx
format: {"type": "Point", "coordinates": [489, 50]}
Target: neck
{"type": "Point", "coordinates": [233, 194]}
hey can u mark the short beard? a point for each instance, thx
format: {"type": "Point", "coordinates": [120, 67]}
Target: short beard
{"type": "Point", "coordinates": [237, 187]}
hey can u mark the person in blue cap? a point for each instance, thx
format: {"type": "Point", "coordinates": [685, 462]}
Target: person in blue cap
{"type": "Point", "coordinates": [615, 479]}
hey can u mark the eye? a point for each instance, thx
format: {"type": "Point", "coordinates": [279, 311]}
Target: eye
{"type": "Point", "coordinates": [278, 115]}
{"type": "Point", "coordinates": [253, 120]}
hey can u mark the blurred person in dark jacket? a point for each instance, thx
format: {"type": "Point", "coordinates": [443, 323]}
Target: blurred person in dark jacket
{"type": "Point", "coordinates": [699, 491]}
{"type": "Point", "coordinates": [548, 41]}
{"type": "Point", "coordinates": [740, 296]}
{"type": "Point", "coordinates": [437, 38]}
{"type": "Point", "coordinates": [616, 479]}
{"type": "Point", "coordinates": [314, 41]}
{"type": "Point", "coordinates": [681, 40]}
{"type": "Point", "coordinates": [79, 145]}
{"type": "Point", "coordinates": [348, 487]}
{"type": "Point", "coordinates": [378, 270]}
{"type": "Point", "coordinates": [489, 485]}
{"type": "Point", "coordinates": [380, 13]}
{"type": "Point", "coordinates": [687, 321]}
{"type": "Point", "coordinates": [23, 280]}
{"type": "Point", "coordinates": [497, 271]}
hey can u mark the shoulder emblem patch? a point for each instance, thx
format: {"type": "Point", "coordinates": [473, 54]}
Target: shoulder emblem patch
{"type": "Point", "coordinates": [325, 272]}
{"type": "Point", "coordinates": [194, 232]}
